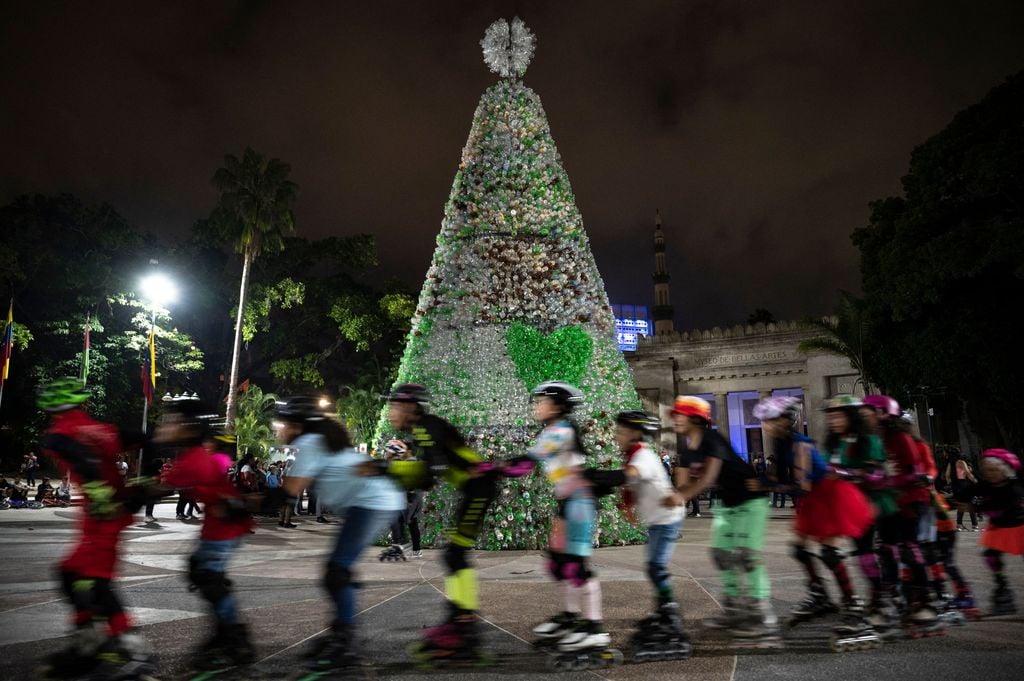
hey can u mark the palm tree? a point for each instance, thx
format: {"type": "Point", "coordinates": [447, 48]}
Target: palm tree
{"type": "Point", "coordinates": [254, 212]}
{"type": "Point", "coordinates": [843, 334]}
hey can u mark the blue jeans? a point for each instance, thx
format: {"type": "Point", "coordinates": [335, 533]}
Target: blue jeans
{"type": "Point", "coordinates": [661, 542]}
{"type": "Point", "coordinates": [213, 556]}
{"type": "Point", "coordinates": [360, 527]}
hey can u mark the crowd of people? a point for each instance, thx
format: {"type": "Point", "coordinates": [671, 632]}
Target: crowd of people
{"type": "Point", "coordinates": [869, 486]}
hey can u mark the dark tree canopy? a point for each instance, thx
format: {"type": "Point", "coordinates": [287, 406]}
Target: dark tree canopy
{"type": "Point", "coordinates": [943, 267]}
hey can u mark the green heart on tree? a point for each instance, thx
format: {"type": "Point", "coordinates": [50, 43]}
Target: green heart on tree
{"type": "Point", "coordinates": [562, 355]}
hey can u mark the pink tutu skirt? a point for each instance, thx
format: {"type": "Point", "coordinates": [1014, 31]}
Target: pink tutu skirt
{"type": "Point", "coordinates": [833, 508]}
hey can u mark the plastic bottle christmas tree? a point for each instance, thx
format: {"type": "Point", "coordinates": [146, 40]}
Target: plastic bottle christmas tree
{"type": "Point", "coordinates": [513, 298]}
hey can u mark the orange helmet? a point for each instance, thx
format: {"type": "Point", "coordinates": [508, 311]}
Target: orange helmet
{"type": "Point", "coordinates": [688, 405]}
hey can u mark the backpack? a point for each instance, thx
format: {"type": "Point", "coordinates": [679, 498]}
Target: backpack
{"type": "Point", "coordinates": [819, 465]}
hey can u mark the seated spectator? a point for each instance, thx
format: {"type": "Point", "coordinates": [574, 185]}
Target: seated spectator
{"type": "Point", "coordinates": [63, 492]}
{"type": "Point", "coordinates": [19, 493]}
{"type": "Point", "coordinates": [44, 491]}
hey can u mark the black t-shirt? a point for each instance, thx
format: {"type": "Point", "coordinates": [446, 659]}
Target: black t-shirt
{"type": "Point", "coordinates": [1003, 504]}
{"type": "Point", "coordinates": [732, 480]}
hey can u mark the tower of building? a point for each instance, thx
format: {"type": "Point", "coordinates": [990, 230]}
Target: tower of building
{"type": "Point", "coordinates": [663, 310]}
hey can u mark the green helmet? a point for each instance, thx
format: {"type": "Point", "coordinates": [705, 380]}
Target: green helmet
{"type": "Point", "coordinates": [62, 394]}
{"type": "Point", "coordinates": [842, 401]}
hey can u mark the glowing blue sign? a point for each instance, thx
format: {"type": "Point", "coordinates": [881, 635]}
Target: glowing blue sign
{"type": "Point", "coordinates": [631, 322]}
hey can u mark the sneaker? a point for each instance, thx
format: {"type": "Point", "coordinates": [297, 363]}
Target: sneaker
{"type": "Point", "coordinates": [961, 528]}
{"type": "Point", "coordinates": [290, 526]}
{"type": "Point", "coordinates": [180, 516]}
{"type": "Point", "coordinates": [321, 519]}
{"type": "Point", "coordinates": [150, 519]}
{"type": "Point", "coordinates": [416, 554]}
{"type": "Point", "coordinates": [975, 528]}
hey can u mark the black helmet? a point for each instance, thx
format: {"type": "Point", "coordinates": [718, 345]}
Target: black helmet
{"type": "Point", "coordinates": [300, 409]}
{"type": "Point", "coordinates": [564, 395]}
{"type": "Point", "coordinates": [638, 420]}
{"type": "Point", "coordinates": [192, 414]}
{"type": "Point", "coordinates": [409, 392]}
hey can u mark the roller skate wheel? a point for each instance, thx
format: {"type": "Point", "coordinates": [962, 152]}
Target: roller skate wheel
{"type": "Point", "coordinates": [612, 657]}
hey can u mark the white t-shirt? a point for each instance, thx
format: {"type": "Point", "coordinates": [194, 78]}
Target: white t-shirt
{"type": "Point", "coordinates": [650, 488]}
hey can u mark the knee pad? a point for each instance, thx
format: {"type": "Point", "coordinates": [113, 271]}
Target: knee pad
{"type": "Point", "coordinates": [657, 573]}
{"type": "Point", "coordinates": [575, 570]}
{"type": "Point", "coordinates": [337, 578]}
{"type": "Point", "coordinates": [993, 559]}
{"type": "Point", "coordinates": [555, 568]}
{"type": "Point", "coordinates": [722, 559]}
{"type": "Point", "coordinates": [746, 559]}
{"type": "Point", "coordinates": [910, 554]}
{"type": "Point", "coordinates": [455, 558]}
{"type": "Point", "coordinates": [79, 590]}
{"type": "Point", "coordinates": [869, 565]}
{"type": "Point", "coordinates": [831, 557]}
{"type": "Point", "coordinates": [106, 601]}
{"type": "Point", "coordinates": [213, 586]}
{"type": "Point", "coordinates": [801, 554]}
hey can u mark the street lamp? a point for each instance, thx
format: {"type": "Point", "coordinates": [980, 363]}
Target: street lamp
{"type": "Point", "coordinates": [158, 291]}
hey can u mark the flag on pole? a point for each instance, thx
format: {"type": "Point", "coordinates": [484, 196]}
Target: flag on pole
{"type": "Point", "coordinates": [85, 352]}
{"type": "Point", "coordinates": [7, 346]}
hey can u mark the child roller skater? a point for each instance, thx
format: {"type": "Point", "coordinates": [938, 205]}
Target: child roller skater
{"type": "Point", "coordinates": [577, 632]}
{"type": "Point", "coordinates": [225, 521]}
{"type": "Point", "coordinates": [441, 452]}
{"type": "Point", "coordinates": [1000, 495]}
{"type": "Point", "coordinates": [659, 636]}
{"type": "Point", "coordinates": [102, 645]}
{"type": "Point", "coordinates": [738, 527]}
{"type": "Point", "coordinates": [909, 478]}
{"type": "Point", "coordinates": [365, 504]}
{"type": "Point", "coordinates": [835, 510]}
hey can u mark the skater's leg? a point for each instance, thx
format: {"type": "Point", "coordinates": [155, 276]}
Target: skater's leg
{"type": "Point", "coordinates": [207, 574]}
{"type": "Point", "coordinates": [723, 551]}
{"type": "Point", "coordinates": [360, 527]}
{"type": "Point", "coordinates": [748, 525]}
{"type": "Point", "coordinates": [832, 557]}
{"type": "Point", "coordinates": [867, 559]}
{"type": "Point", "coordinates": [912, 556]}
{"type": "Point", "coordinates": [888, 551]}
{"type": "Point", "coordinates": [661, 542]}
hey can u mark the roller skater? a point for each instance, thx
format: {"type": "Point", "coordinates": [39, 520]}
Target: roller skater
{"type": "Point", "coordinates": [832, 508]}
{"type": "Point", "coordinates": [366, 504]}
{"type": "Point", "coordinates": [1000, 496]}
{"type": "Point", "coordinates": [102, 645]}
{"type": "Point", "coordinates": [226, 520]}
{"type": "Point", "coordinates": [909, 477]}
{"type": "Point", "coordinates": [441, 452]}
{"type": "Point", "coordinates": [647, 488]}
{"type": "Point", "coordinates": [739, 524]}
{"type": "Point", "coordinates": [582, 641]}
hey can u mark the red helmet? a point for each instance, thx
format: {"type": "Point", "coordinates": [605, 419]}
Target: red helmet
{"type": "Point", "coordinates": [884, 404]}
{"type": "Point", "coordinates": [688, 405]}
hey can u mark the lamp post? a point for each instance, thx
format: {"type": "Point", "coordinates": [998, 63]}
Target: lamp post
{"type": "Point", "coordinates": [158, 291]}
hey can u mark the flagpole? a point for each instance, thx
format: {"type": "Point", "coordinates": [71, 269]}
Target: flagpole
{"type": "Point", "coordinates": [145, 400]}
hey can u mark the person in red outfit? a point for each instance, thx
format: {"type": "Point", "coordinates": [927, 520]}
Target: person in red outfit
{"type": "Point", "coordinates": [87, 451]}
{"type": "Point", "coordinates": [200, 472]}
{"type": "Point", "coordinates": [908, 474]}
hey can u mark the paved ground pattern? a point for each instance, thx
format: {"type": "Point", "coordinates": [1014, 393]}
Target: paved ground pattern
{"type": "Point", "coordinates": [277, 578]}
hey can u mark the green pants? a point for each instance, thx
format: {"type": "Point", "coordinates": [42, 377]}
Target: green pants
{"type": "Point", "coordinates": [737, 537]}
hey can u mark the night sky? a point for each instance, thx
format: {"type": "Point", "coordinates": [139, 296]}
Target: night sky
{"type": "Point", "coordinates": [760, 129]}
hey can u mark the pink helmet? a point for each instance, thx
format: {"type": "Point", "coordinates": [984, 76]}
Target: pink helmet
{"type": "Point", "coordinates": [1003, 455]}
{"type": "Point", "coordinates": [884, 404]}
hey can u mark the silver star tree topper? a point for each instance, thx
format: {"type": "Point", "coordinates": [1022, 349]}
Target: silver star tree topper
{"type": "Point", "coordinates": [508, 48]}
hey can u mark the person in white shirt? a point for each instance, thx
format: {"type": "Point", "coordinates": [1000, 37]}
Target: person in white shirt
{"type": "Point", "coordinates": [644, 497]}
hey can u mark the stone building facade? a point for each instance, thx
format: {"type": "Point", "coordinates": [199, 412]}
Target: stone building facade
{"type": "Point", "coordinates": [733, 368]}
